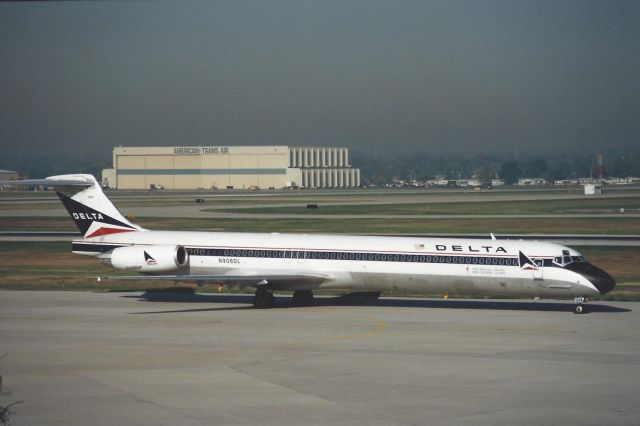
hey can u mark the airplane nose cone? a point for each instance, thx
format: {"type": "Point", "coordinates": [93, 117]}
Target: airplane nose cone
{"type": "Point", "coordinates": [601, 280]}
{"type": "Point", "coordinates": [596, 276]}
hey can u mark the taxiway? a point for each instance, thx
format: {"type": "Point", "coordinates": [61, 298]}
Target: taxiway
{"type": "Point", "coordinates": [77, 358]}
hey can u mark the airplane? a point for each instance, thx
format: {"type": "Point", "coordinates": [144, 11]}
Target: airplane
{"type": "Point", "coordinates": [302, 263]}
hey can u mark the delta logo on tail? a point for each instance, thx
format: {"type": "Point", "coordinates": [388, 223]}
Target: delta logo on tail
{"type": "Point", "coordinates": [150, 260]}
{"type": "Point", "coordinates": [526, 263]}
{"type": "Point", "coordinates": [92, 223]}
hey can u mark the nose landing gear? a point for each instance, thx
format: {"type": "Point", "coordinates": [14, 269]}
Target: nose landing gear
{"type": "Point", "coordinates": [579, 309]}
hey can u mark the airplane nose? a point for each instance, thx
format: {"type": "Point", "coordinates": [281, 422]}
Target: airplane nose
{"type": "Point", "coordinates": [602, 281]}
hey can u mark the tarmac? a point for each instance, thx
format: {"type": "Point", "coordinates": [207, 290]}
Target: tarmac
{"type": "Point", "coordinates": [193, 211]}
{"type": "Point", "coordinates": [182, 204]}
{"type": "Point", "coordinates": [163, 358]}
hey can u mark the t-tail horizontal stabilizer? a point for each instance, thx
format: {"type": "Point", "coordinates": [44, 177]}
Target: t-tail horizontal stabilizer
{"type": "Point", "coordinates": [83, 198]}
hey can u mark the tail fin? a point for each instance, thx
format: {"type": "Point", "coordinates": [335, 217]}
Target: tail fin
{"type": "Point", "coordinates": [90, 209]}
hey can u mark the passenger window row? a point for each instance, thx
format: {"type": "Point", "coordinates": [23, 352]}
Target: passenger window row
{"type": "Point", "coordinates": [339, 255]}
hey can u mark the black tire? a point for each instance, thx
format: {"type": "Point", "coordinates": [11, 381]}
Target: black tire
{"type": "Point", "coordinates": [302, 298]}
{"type": "Point", "coordinates": [263, 300]}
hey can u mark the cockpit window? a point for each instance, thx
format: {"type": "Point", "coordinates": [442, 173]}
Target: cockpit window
{"type": "Point", "coordinates": [565, 259]}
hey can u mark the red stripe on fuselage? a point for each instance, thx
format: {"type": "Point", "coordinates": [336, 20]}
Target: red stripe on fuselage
{"type": "Point", "coordinates": [107, 231]}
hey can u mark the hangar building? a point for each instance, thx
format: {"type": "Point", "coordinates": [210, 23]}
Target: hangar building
{"type": "Point", "coordinates": [237, 167]}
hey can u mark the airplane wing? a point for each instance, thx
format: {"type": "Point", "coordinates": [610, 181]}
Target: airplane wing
{"type": "Point", "coordinates": [277, 281]}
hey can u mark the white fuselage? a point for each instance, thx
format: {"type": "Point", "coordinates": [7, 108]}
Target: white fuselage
{"type": "Point", "coordinates": [372, 263]}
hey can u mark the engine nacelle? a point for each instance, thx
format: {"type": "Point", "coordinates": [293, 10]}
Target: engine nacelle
{"type": "Point", "coordinates": [152, 259]}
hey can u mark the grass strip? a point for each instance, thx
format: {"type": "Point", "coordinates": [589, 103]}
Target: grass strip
{"type": "Point", "coordinates": [572, 206]}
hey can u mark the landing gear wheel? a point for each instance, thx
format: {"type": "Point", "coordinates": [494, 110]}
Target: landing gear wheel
{"type": "Point", "coordinates": [263, 299]}
{"type": "Point", "coordinates": [578, 309]}
{"type": "Point", "coordinates": [302, 298]}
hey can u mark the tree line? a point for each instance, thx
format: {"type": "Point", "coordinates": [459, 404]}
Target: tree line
{"type": "Point", "coordinates": [378, 168]}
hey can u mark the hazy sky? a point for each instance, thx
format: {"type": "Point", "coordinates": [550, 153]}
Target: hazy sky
{"type": "Point", "coordinates": [428, 75]}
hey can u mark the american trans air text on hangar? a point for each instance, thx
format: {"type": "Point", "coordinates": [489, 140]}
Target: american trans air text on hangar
{"type": "Point", "coordinates": [200, 150]}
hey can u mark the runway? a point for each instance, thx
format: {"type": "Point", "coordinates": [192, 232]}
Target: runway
{"type": "Point", "coordinates": [193, 211]}
{"type": "Point", "coordinates": [79, 358]}
{"type": "Point", "coordinates": [182, 204]}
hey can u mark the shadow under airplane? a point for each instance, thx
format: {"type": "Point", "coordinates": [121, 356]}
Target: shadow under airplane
{"type": "Point", "coordinates": [188, 295]}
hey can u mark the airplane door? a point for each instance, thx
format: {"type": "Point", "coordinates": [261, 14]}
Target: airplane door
{"type": "Point", "coordinates": [538, 273]}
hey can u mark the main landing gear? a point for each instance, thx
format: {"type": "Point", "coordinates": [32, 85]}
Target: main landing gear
{"type": "Point", "coordinates": [579, 309]}
{"type": "Point", "coordinates": [263, 299]}
{"type": "Point", "coordinates": [302, 298]}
